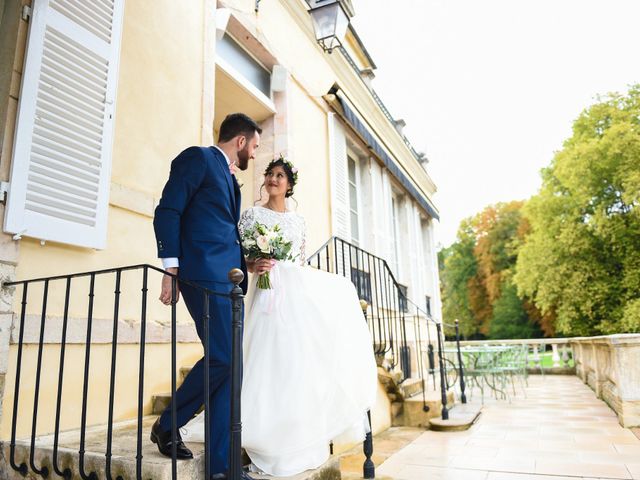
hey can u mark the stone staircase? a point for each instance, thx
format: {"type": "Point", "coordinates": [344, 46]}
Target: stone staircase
{"type": "Point", "coordinates": [124, 449]}
{"type": "Point", "coordinates": [407, 402]}
{"type": "Point", "coordinates": [154, 465]}
{"type": "Point", "coordinates": [160, 401]}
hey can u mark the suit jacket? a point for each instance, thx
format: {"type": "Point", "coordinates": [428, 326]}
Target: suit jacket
{"type": "Point", "coordinates": [197, 217]}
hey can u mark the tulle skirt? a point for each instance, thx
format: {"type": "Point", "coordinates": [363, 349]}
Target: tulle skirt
{"type": "Point", "coordinates": [309, 370]}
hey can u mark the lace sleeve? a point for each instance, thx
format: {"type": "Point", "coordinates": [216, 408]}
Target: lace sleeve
{"type": "Point", "coordinates": [246, 220]}
{"type": "Point", "coordinates": [303, 253]}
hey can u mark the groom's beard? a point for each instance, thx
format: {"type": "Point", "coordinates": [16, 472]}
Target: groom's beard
{"type": "Point", "coordinates": [243, 158]}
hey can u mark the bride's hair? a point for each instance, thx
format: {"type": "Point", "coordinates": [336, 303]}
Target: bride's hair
{"type": "Point", "coordinates": [289, 170]}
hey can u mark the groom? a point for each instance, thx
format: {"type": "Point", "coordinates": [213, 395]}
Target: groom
{"type": "Point", "coordinates": [197, 238]}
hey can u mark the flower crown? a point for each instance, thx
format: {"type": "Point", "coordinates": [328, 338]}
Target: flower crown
{"type": "Point", "coordinates": [291, 166]}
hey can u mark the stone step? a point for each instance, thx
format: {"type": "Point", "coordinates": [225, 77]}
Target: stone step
{"type": "Point", "coordinates": [183, 373]}
{"type": "Point", "coordinates": [413, 414]}
{"type": "Point", "coordinates": [329, 471]}
{"type": "Point", "coordinates": [154, 465]}
{"type": "Point", "coordinates": [123, 464]}
{"type": "Point", "coordinates": [461, 417]}
{"type": "Point", "coordinates": [159, 402]}
{"type": "Point", "coordinates": [411, 387]}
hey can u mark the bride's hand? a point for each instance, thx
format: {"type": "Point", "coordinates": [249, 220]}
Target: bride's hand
{"type": "Point", "coordinates": [263, 265]}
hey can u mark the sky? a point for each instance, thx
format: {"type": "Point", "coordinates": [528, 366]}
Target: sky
{"type": "Point", "coordinates": [489, 89]}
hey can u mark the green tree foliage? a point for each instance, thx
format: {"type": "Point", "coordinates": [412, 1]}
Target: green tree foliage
{"type": "Point", "coordinates": [510, 318]}
{"type": "Point", "coordinates": [476, 276]}
{"type": "Point", "coordinates": [457, 267]}
{"type": "Point", "coordinates": [580, 263]}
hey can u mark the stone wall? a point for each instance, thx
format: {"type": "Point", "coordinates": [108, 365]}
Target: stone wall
{"type": "Point", "coordinates": [610, 365]}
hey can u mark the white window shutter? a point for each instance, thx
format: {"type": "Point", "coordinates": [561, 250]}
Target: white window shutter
{"type": "Point", "coordinates": [388, 251]}
{"type": "Point", "coordinates": [339, 179]}
{"type": "Point", "coordinates": [415, 287]}
{"type": "Point", "coordinates": [378, 212]}
{"type": "Point", "coordinates": [61, 165]}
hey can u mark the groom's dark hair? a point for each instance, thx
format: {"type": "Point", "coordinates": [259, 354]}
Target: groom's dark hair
{"type": "Point", "coordinates": [236, 124]}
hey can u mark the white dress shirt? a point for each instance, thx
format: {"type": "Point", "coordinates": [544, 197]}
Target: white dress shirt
{"type": "Point", "coordinates": [172, 262]}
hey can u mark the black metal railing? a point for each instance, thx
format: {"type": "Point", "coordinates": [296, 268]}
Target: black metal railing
{"type": "Point", "coordinates": [47, 285]}
{"type": "Point", "coordinates": [391, 315]}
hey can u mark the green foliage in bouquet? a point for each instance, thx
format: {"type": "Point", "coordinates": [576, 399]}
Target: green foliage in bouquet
{"type": "Point", "coordinates": [260, 241]}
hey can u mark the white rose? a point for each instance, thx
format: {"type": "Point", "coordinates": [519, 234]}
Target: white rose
{"type": "Point", "coordinates": [263, 244]}
{"type": "Point", "coordinates": [271, 235]}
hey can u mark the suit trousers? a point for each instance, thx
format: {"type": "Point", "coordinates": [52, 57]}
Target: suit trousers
{"type": "Point", "coordinates": [190, 395]}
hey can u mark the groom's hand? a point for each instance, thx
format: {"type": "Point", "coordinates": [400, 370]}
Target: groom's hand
{"type": "Point", "coordinates": [165, 291]}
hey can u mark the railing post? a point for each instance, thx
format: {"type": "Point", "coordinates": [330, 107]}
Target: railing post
{"type": "Point", "coordinates": [22, 468]}
{"type": "Point", "coordinates": [368, 468]}
{"type": "Point", "coordinates": [463, 397]}
{"type": "Point", "coordinates": [174, 367]}
{"type": "Point", "coordinates": [536, 357]}
{"type": "Point", "coordinates": [554, 355]}
{"type": "Point", "coordinates": [143, 333]}
{"type": "Point", "coordinates": [432, 362]}
{"type": "Point", "coordinates": [443, 388]}
{"type": "Point", "coordinates": [207, 387]}
{"type": "Point", "coordinates": [112, 382]}
{"type": "Point", "coordinates": [235, 462]}
{"type": "Point", "coordinates": [565, 355]}
{"type": "Point", "coordinates": [85, 384]}
{"type": "Point", "coordinates": [44, 471]}
{"type": "Point", "coordinates": [66, 474]}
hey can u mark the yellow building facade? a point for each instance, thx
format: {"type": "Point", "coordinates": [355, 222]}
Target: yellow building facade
{"type": "Point", "coordinates": [176, 69]}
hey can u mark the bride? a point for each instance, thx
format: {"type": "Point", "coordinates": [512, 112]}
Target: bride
{"type": "Point", "coordinates": [309, 370]}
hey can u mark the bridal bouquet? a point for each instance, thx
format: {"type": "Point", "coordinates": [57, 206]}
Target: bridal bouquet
{"type": "Point", "coordinates": [260, 241]}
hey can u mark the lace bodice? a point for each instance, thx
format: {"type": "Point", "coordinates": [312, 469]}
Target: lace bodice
{"type": "Point", "coordinates": [291, 224]}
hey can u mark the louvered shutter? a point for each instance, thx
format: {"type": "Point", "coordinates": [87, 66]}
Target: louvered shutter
{"type": "Point", "coordinates": [339, 179]}
{"type": "Point", "coordinates": [340, 214]}
{"type": "Point", "coordinates": [421, 255]}
{"type": "Point", "coordinates": [436, 301]}
{"type": "Point", "coordinates": [415, 288]}
{"type": "Point", "coordinates": [61, 166]}
{"type": "Point", "coordinates": [378, 211]}
{"type": "Point", "coordinates": [389, 227]}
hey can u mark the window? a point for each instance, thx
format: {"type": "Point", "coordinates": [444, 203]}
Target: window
{"type": "Point", "coordinates": [228, 49]}
{"type": "Point", "coordinates": [403, 305]}
{"type": "Point", "coordinates": [428, 305]}
{"type": "Point", "coordinates": [405, 361]}
{"type": "Point", "coordinates": [353, 200]}
{"type": "Point", "coordinates": [362, 281]}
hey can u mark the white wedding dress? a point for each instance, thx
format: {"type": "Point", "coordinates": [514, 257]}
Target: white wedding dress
{"type": "Point", "coordinates": [309, 369]}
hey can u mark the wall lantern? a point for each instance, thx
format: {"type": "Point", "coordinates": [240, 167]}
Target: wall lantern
{"type": "Point", "coordinates": [330, 21]}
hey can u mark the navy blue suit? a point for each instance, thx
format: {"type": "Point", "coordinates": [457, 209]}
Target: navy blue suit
{"type": "Point", "coordinates": [197, 222]}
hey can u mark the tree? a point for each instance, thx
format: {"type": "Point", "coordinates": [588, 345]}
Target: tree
{"type": "Point", "coordinates": [457, 267]}
{"type": "Point", "coordinates": [580, 263]}
{"type": "Point", "coordinates": [510, 318]}
{"type": "Point", "coordinates": [476, 274]}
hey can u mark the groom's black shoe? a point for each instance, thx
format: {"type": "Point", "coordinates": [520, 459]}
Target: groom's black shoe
{"type": "Point", "coordinates": [163, 440]}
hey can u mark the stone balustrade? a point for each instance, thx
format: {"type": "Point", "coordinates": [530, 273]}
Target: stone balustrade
{"type": "Point", "coordinates": [610, 365]}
